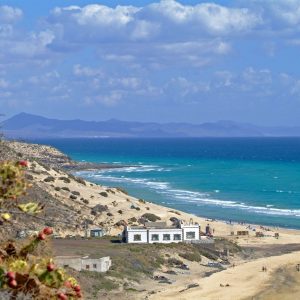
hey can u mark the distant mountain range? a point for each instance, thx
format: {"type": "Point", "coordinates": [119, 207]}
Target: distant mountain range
{"type": "Point", "coordinates": [29, 126]}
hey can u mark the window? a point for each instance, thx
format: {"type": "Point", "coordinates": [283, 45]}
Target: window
{"type": "Point", "coordinates": [95, 266]}
{"type": "Point", "coordinates": [191, 235]}
{"type": "Point", "coordinates": [87, 267]}
{"type": "Point", "coordinates": [137, 237]}
{"type": "Point", "coordinates": [154, 237]}
{"type": "Point", "coordinates": [177, 237]}
{"type": "Point", "coordinates": [166, 237]}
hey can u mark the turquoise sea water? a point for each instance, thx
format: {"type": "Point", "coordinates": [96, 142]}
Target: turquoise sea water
{"type": "Point", "coordinates": [255, 180]}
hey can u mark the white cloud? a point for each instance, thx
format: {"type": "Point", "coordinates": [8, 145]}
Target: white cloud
{"type": "Point", "coordinates": [287, 11]}
{"type": "Point", "coordinates": [35, 44]}
{"type": "Point", "coordinates": [125, 82]}
{"type": "Point", "coordinates": [111, 99]}
{"type": "Point", "coordinates": [10, 14]}
{"type": "Point", "coordinates": [216, 19]}
{"type": "Point", "coordinates": [167, 19]}
{"type": "Point", "coordinates": [99, 15]}
{"type": "Point", "coordinates": [79, 70]}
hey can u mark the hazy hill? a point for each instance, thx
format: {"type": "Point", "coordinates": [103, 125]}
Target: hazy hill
{"type": "Point", "coordinates": [26, 125]}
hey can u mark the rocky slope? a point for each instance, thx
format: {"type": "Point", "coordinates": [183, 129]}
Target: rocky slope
{"type": "Point", "coordinates": [73, 204]}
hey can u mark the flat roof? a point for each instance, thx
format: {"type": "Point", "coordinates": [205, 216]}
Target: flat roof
{"type": "Point", "coordinates": [154, 228]}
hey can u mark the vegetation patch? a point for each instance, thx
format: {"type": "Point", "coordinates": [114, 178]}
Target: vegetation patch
{"type": "Point", "coordinates": [191, 256]}
{"type": "Point", "coordinates": [122, 190]}
{"type": "Point", "coordinates": [75, 193]}
{"type": "Point", "coordinates": [49, 179]}
{"type": "Point", "coordinates": [65, 188]}
{"type": "Point", "coordinates": [64, 179]}
{"type": "Point", "coordinates": [151, 217]}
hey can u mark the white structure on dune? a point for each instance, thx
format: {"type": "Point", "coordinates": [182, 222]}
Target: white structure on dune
{"type": "Point", "coordinates": [80, 263]}
{"type": "Point", "coordinates": [159, 232]}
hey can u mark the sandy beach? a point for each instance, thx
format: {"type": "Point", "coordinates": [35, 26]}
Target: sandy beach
{"type": "Point", "coordinates": [245, 280]}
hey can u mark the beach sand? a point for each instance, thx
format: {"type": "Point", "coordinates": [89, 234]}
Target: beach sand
{"type": "Point", "coordinates": [245, 281]}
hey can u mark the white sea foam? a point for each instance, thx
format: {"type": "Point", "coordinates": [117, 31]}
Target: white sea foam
{"type": "Point", "coordinates": [134, 169]}
{"type": "Point", "coordinates": [186, 196]}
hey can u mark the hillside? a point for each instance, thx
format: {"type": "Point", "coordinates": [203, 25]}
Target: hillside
{"type": "Point", "coordinates": [31, 126]}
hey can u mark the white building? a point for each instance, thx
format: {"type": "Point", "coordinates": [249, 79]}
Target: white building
{"type": "Point", "coordinates": [160, 233]}
{"type": "Point", "coordinates": [80, 263]}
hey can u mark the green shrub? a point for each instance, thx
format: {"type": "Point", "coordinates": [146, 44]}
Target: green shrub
{"type": "Point", "coordinates": [80, 180]}
{"type": "Point", "coordinates": [172, 261]}
{"type": "Point", "coordinates": [191, 256]}
{"type": "Point", "coordinates": [151, 217]}
{"type": "Point", "coordinates": [65, 179]}
{"type": "Point", "coordinates": [122, 190]}
{"type": "Point", "coordinates": [49, 179]}
{"type": "Point", "coordinates": [132, 220]}
{"type": "Point", "coordinates": [104, 194]}
{"type": "Point", "coordinates": [75, 193]}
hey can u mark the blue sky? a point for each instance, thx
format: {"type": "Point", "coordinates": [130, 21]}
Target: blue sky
{"type": "Point", "coordinates": [163, 61]}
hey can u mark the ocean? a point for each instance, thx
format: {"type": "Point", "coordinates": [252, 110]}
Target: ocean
{"type": "Point", "coordinates": [254, 180]}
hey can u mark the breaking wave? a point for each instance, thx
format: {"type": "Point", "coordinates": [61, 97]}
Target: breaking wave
{"type": "Point", "coordinates": [179, 195]}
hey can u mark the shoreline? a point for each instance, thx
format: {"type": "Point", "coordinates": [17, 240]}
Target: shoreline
{"type": "Point", "coordinates": [80, 202]}
{"type": "Point", "coordinates": [53, 157]}
{"type": "Point", "coordinates": [100, 166]}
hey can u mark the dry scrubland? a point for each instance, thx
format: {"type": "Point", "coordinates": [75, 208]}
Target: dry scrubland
{"type": "Point", "coordinates": [71, 203]}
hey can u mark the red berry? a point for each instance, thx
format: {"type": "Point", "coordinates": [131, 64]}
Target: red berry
{"type": "Point", "coordinates": [12, 283]}
{"type": "Point", "coordinates": [11, 275]}
{"type": "Point", "coordinates": [77, 288]}
{"type": "Point", "coordinates": [68, 284]}
{"type": "Point", "coordinates": [78, 294]}
{"type": "Point", "coordinates": [23, 163]}
{"type": "Point", "coordinates": [47, 230]}
{"type": "Point", "coordinates": [62, 296]}
{"type": "Point", "coordinates": [50, 267]}
{"type": "Point", "coordinates": [41, 236]}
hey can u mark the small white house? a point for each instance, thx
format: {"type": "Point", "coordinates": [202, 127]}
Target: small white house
{"type": "Point", "coordinates": [80, 263]}
{"type": "Point", "coordinates": [161, 233]}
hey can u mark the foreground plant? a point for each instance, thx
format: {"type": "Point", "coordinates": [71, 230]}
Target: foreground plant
{"type": "Point", "coordinates": [22, 274]}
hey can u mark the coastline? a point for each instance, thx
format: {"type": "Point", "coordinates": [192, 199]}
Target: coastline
{"type": "Point", "coordinates": [98, 167]}
{"type": "Point", "coordinates": [57, 159]}
{"type": "Point", "coordinates": [110, 207]}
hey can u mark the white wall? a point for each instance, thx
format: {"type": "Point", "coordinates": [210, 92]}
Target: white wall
{"type": "Point", "coordinates": [146, 234]}
{"type": "Point", "coordinates": [161, 232]}
{"type": "Point", "coordinates": [191, 228]}
{"type": "Point", "coordinates": [102, 264]}
{"type": "Point", "coordinates": [130, 236]}
{"type": "Point", "coordinates": [78, 263]}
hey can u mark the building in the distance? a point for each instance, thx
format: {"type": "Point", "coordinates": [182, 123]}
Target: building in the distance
{"type": "Point", "coordinates": [97, 232]}
{"type": "Point", "coordinates": [159, 232]}
{"type": "Point", "coordinates": [87, 263]}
